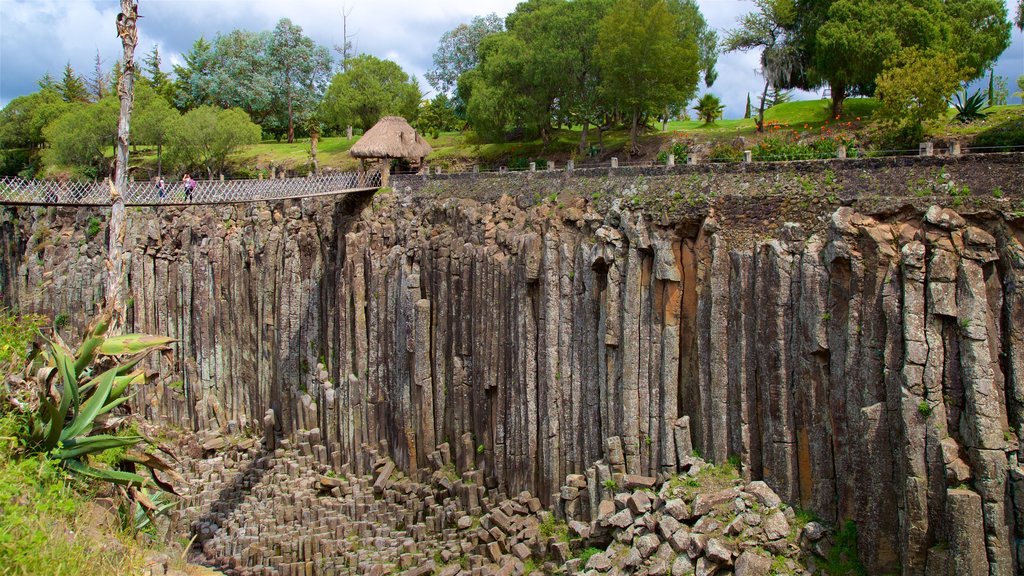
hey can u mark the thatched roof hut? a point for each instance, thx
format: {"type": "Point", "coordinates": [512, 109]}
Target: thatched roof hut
{"type": "Point", "coordinates": [391, 137]}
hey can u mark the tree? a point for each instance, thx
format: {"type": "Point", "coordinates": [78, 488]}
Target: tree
{"type": "Point", "coordinates": [845, 43]}
{"type": "Point", "coordinates": [344, 49]}
{"type": "Point", "coordinates": [243, 75]}
{"type": "Point", "coordinates": [1020, 15]}
{"type": "Point", "coordinates": [79, 138]}
{"type": "Point", "coordinates": [157, 78]}
{"type": "Point", "coordinates": [458, 51]}
{"type": "Point", "coordinates": [916, 87]}
{"type": "Point", "coordinates": [71, 87]}
{"type": "Point", "coordinates": [300, 69]}
{"type": "Point", "coordinates": [693, 27]}
{"type": "Point", "coordinates": [645, 65]}
{"type": "Point", "coordinates": [23, 119]}
{"type": "Point", "coordinates": [746, 112]}
{"type": "Point", "coordinates": [709, 108]}
{"type": "Point", "coordinates": [202, 139]}
{"type": "Point", "coordinates": [191, 89]}
{"type": "Point", "coordinates": [436, 116]}
{"type": "Point", "coordinates": [768, 29]}
{"type": "Point", "coordinates": [46, 82]}
{"type": "Point", "coordinates": [370, 89]}
{"type": "Point", "coordinates": [152, 121]}
{"type": "Point", "coordinates": [97, 83]}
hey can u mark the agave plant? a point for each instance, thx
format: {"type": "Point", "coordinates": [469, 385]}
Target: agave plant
{"type": "Point", "coordinates": [75, 403]}
{"type": "Point", "coordinates": [970, 108]}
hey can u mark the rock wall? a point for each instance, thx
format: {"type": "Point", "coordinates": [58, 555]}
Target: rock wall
{"type": "Point", "coordinates": [861, 353]}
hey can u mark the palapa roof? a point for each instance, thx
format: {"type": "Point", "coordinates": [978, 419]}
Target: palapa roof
{"type": "Point", "coordinates": [391, 137]}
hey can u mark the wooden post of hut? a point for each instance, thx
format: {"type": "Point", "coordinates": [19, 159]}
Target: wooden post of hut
{"type": "Point", "coordinates": [391, 138]}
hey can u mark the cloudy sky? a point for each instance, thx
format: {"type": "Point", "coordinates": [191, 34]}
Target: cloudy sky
{"type": "Point", "coordinates": [39, 36]}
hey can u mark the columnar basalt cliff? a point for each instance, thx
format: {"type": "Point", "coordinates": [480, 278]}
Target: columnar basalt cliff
{"type": "Point", "coordinates": [852, 332]}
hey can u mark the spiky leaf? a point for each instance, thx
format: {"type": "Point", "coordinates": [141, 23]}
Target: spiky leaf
{"type": "Point", "coordinates": [87, 351]}
{"type": "Point", "coordinates": [78, 447]}
{"type": "Point", "coordinates": [115, 476]}
{"type": "Point", "coordinates": [132, 344]}
{"type": "Point", "coordinates": [92, 407]}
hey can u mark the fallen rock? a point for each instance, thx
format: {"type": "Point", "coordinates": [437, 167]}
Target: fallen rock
{"type": "Point", "coordinates": [750, 563]}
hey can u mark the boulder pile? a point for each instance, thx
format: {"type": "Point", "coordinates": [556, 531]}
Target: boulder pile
{"type": "Point", "coordinates": [287, 512]}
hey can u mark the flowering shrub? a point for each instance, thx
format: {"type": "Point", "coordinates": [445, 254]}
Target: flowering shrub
{"type": "Point", "coordinates": [785, 143]}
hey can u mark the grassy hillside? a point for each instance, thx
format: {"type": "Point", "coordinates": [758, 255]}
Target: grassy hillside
{"type": "Point", "coordinates": [460, 151]}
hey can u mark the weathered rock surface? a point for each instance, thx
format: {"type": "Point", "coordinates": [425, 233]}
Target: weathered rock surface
{"type": "Point", "coordinates": [861, 363]}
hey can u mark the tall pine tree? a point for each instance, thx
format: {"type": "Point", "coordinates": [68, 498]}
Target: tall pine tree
{"type": "Point", "coordinates": [71, 87]}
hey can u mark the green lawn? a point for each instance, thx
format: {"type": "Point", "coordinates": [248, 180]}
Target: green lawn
{"type": "Point", "coordinates": [459, 151]}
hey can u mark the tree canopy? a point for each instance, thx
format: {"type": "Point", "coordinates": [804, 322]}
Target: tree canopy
{"type": "Point", "coordinates": [646, 61]}
{"type": "Point", "coordinates": [300, 71]}
{"type": "Point", "coordinates": [844, 44]}
{"type": "Point", "coordinates": [457, 51]}
{"type": "Point", "coordinates": [202, 139]}
{"type": "Point", "coordinates": [369, 89]}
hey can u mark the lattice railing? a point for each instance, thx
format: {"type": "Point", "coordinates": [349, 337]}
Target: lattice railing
{"type": "Point", "coordinates": [64, 192]}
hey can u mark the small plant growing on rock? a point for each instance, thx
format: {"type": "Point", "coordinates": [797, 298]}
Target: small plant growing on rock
{"type": "Point", "coordinates": [93, 227]}
{"type": "Point", "coordinates": [610, 485]}
{"type": "Point", "coordinates": [924, 408]}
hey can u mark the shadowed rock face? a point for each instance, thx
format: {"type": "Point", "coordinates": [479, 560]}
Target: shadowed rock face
{"type": "Point", "coordinates": [865, 367]}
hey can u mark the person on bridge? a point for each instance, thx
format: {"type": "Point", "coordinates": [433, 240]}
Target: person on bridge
{"type": "Point", "coordinates": [161, 188]}
{"type": "Point", "coordinates": [189, 185]}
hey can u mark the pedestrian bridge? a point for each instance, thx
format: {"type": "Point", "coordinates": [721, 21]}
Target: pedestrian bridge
{"type": "Point", "coordinates": [19, 191]}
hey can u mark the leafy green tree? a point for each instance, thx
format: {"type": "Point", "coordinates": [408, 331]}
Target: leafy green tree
{"type": "Point", "coordinates": [709, 108]}
{"type": "Point", "coordinates": [157, 78]}
{"type": "Point", "coordinates": [457, 51]}
{"type": "Point", "coordinates": [436, 116]}
{"type": "Point", "coordinates": [1020, 87]}
{"type": "Point", "coordinates": [844, 43]}
{"type": "Point", "coordinates": [72, 87]}
{"type": "Point", "coordinates": [1020, 15]}
{"type": "Point", "coordinates": [79, 138]}
{"type": "Point", "coordinates": [915, 88]}
{"type": "Point", "coordinates": [47, 82]}
{"type": "Point", "coordinates": [693, 27]}
{"type": "Point", "coordinates": [300, 72]}
{"type": "Point", "coordinates": [243, 76]}
{"type": "Point", "coordinates": [191, 88]}
{"type": "Point", "coordinates": [370, 89]}
{"type": "Point", "coordinates": [152, 120]}
{"type": "Point", "coordinates": [202, 139]}
{"type": "Point", "coordinates": [644, 63]}
{"type": "Point", "coordinates": [768, 29]}
{"type": "Point", "coordinates": [23, 119]}
{"type": "Point", "coordinates": [541, 71]}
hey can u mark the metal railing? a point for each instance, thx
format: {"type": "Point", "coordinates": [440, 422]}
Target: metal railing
{"type": "Point", "coordinates": [15, 190]}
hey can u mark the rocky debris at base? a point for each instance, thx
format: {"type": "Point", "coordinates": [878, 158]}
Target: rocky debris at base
{"type": "Point", "coordinates": [287, 513]}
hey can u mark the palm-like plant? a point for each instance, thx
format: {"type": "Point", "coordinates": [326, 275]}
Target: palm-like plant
{"type": "Point", "coordinates": [709, 108]}
{"type": "Point", "coordinates": [73, 416]}
{"type": "Point", "coordinates": [970, 107]}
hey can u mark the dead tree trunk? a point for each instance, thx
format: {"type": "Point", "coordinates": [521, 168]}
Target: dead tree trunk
{"type": "Point", "coordinates": [126, 29]}
{"type": "Point", "coordinates": [314, 139]}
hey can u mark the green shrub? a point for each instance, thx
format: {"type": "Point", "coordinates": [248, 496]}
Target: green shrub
{"type": "Point", "coordinates": [1002, 136]}
{"type": "Point", "coordinates": [16, 332]}
{"type": "Point", "coordinates": [93, 227]}
{"type": "Point", "coordinates": [842, 557]}
{"type": "Point", "coordinates": [679, 149]}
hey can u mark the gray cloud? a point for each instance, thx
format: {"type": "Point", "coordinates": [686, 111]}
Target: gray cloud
{"type": "Point", "coordinates": [39, 36]}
